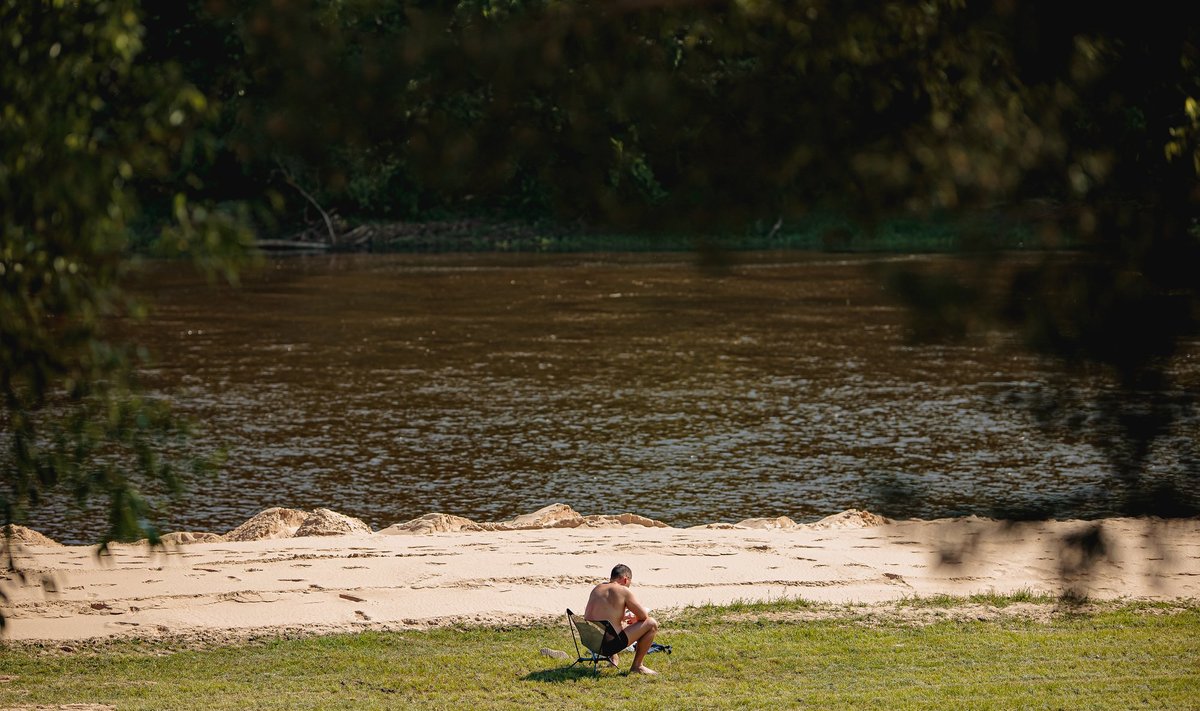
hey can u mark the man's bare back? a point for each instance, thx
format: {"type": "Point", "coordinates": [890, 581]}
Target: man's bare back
{"type": "Point", "coordinates": [615, 604]}
{"type": "Point", "coordinates": [611, 601]}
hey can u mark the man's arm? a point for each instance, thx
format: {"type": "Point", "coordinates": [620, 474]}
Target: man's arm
{"type": "Point", "coordinates": [639, 612]}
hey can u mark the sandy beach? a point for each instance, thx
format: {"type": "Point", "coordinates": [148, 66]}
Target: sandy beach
{"type": "Point", "coordinates": [420, 574]}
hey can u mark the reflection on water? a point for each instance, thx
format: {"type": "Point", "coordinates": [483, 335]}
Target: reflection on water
{"type": "Point", "coordinates": [386, 387]}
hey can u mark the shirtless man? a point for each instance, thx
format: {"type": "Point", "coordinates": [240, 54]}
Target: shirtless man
{"type": "Point", "coordinates": [625, 621]}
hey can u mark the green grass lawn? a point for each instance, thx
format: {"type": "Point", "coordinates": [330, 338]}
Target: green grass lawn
{"type": "Point", "coordinates": [741, 657]}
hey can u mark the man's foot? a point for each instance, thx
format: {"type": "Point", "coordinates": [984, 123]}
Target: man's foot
{"type": "Point", "coordinates": [613, 660]}
{"type": "Point", "coordinates": [643, 670]}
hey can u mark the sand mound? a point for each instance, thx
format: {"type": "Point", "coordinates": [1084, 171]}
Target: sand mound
{"type": "Point", "coordinates": [563, 516]}
{"type": "Point", "coordinates": [28, 536]}
{"type": "Point", "coordinates": [278, 522]}
{"type": "Point", "coordinates": [432, 523]}
{"type": "Point", "coordinates": [850, 518]}
{"type": "Point", "coordinates": [275, 522]}
{"type": "Point", "coordinates": [625, 519]}
{"type": "Point", "coordinates": [552, 516]}
{"type": "Point", "coordinates": [180, 538]}
{"type": "Point", "coordinates": [768, 524]}
{"type": "Point", "coordinates": [287, 523]}
{"type": "Point", "coordinates": [185, 537]}
{"type": "Point", "coordinates": [323, 522]}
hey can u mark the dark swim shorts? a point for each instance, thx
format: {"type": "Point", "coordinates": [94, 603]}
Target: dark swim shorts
{"type": "Point", "coordinates": [614, 641]}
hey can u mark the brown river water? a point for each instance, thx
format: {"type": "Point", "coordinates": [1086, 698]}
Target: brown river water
{"type": "Point", "coordinates": [386, 387]}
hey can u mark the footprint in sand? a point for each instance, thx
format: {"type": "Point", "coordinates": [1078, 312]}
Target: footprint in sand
{"type": "Point", "coordinates": [717, 567]}
{"type": "Point", "coordinates": [353, 567]}
{"type": "Point", "coordinates": [291, 580]}
{"type": "Point", "coordinates": [362, 615]}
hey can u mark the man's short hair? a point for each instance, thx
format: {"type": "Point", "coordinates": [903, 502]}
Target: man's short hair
{"type": "Point", "coordinates": [620, 570]}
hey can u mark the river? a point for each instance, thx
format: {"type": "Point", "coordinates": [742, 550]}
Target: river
{"type": "Point", "coordinates": [386, 387]}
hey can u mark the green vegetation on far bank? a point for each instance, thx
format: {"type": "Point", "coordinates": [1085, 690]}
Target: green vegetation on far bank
{"type": "Point", "coordinates": [769, 655]}
{"type": "Point", "coordinates": [818, 232]}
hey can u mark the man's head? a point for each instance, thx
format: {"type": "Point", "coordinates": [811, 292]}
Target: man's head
{"type": "Point", "coordinates": [621, 574]}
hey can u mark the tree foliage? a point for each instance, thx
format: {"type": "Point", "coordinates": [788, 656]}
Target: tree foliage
{"type": "Point", "coordinates": [85, 131]}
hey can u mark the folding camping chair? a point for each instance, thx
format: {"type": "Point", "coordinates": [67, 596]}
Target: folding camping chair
{"type": "Point", "coordinates": [591, 636]}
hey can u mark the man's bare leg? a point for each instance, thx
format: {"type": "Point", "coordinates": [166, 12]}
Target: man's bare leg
{"type": "Point", "coordinates": [643, 633]}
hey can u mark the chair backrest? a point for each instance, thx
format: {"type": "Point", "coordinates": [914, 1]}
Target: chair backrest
{"type": "Point", "coordinates": [590, 633]}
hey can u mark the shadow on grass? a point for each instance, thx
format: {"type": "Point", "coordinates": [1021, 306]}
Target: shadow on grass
{"type": "Point", "coordinates": [561, 674]}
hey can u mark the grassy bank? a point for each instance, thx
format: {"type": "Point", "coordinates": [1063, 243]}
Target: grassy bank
{"type": "Point", "coordinates": [954, 654]}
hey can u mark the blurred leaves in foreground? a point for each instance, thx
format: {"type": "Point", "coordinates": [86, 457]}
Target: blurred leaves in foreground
{"type": "Point", "coordinates": [84, 129]}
